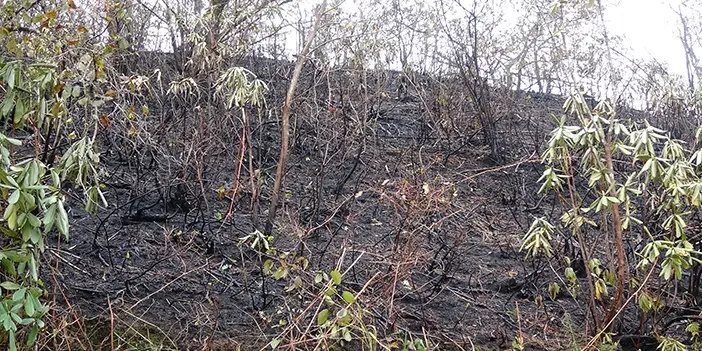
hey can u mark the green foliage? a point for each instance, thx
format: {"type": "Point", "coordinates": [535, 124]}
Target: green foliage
{"type": "Point", "coordinates": [339, 317]}
{"type": "Point", "coordinates": [39, 32]}
{"type": "Point", "coordinates": [670, 344]}
{"type": "Point", "coordinates": [538, 239]}
{"type": "Point", "coordinates": [238, 89]}
{"type": "Point", "coordinates": [183, 88]}
{"type": "Point", "coordinates": [342, 319]}
{"type": "Point", "coordinates": [80, 165]}
{"type": "Point", "coordinates": [33, 207]}
{"type": "Point", "coordinates": [33, 204]}
{"type": "Point", "coordinates": [416, 344]}
{"type": "Point", "coordinates": [553, 290]}
{"type": "Point", "coordinates": [601, 196]}
{"type": "Point", "coordinates": [694, 329]}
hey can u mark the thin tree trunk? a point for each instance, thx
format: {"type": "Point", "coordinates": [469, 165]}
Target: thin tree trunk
{"type": "Point", "coordinates": [619, 241]}
{"type": "Point", "coordinates": [285, 135]}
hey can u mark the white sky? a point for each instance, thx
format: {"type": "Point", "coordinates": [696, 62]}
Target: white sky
{"type": "Point", "coordinates": [649, 28]}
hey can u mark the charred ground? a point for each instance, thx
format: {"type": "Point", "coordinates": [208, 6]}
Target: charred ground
{"type": "Point", "coordinates": [391, 185]}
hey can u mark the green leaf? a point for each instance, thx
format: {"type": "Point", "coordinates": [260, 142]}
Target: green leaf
{"type": "Point", "coordinates": [123, 44]}
{"type": "Point", "coordinates": [10, 285]}
{"type": "Point", "coordinates": [274, 343]}
{"type": "Point", "coordinates": [267, 266]}
{"type": "Point", "coordinates": [33, 220]}
{"type": "Point", "coordinates": [343, 317]}
{"type": "Point", "coordinates": [62, 219]}
{"type": "Point", "coordinates": [49, 217]}
{"type": "Point", "coordinates": [11, 74]}
{"type": "Point", "coordinates": [18, 296]}
{"type": "Point", "coordinates": [322, 316]}
{"type": "Point", "coordinates": [12, 342]}
{"type": "Point", "coordinates": [17, 256]}
{"type": "Point", "coordinates": [8, 212]}
{"type": "Point", "coordinates": [30, 202]}
{"type": "Point", "coordinates": [32, 337]}
{"type": "Point", "coordinates": [348, 297]}
{"type": "Point", "coordinates": [336, 277]}
{"type": "Point", "coordinates": [8, 266]}
{"type": "Point", "coordinates": [12, 182]}
{"type": "Point", "coordinates": [19, 112]}
{"type": "Point", "coordinates": [644, 303]}
{"type": "Point", "coordinates": [570, 275]}
{"type": "Point", "coordinates": [29, 307]}
{"type": "Point", "coordinates": [7, 323]}
{"type": "Point", "coordinates": [36, 237]}
{"type": "Point", "coordinates": [14, 197]}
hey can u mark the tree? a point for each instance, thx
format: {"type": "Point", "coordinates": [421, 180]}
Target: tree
{"type": "Point", "coordinates": [285, 137]}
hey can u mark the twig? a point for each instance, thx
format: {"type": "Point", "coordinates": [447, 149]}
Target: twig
{"type": "Point", "coordinates": [168, 284]}
{"type": "Point", "coordinates": [55, 253]}
{"type": "Point", "coordinates": [520, 338]}
{"type": "Point", "coordinates": [530, 159]}
{"type": "Point", "coordinates": [112, 325]}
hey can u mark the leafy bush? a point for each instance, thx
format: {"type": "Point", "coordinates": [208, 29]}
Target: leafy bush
{"type": "Point", "coordinates": [620, 182]}
{"type": "Point", "coordinates": [31, 191]}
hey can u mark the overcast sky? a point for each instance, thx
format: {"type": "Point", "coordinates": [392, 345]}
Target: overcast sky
{"type": "Point", "coordinates": [650, 28]}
